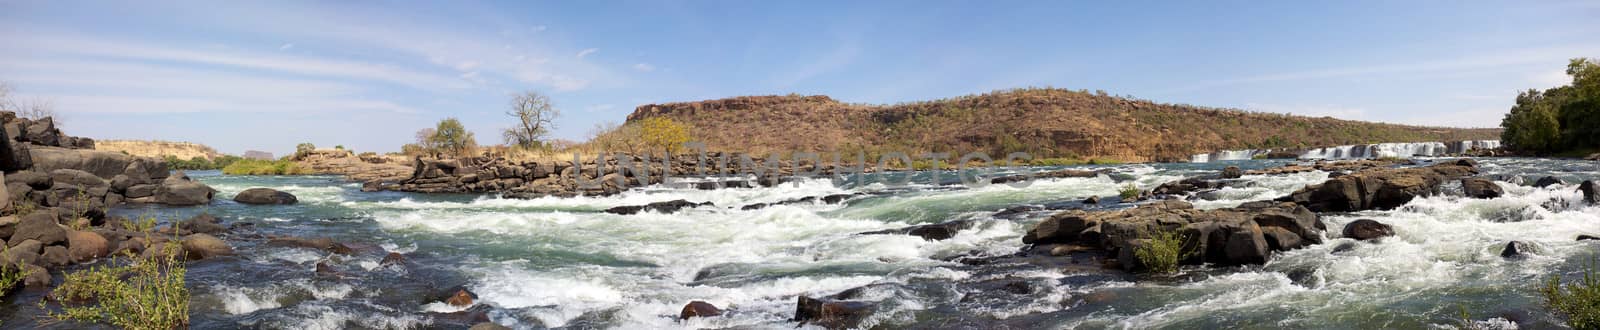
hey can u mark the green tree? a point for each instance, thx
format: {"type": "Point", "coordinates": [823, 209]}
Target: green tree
{"type": "Point", "coordinates": [452, 138]}
{"type": "Point", "coordinates": [1559, 119]}
{"type": "Point", "coordinates": [303, 149]}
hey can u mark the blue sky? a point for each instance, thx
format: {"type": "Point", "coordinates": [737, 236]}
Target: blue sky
{"type": "Point", "coordinates": [265, 75]}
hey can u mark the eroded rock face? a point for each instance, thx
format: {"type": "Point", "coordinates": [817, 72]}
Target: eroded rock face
{"type": "Point", "coordinates": [1243, 235]}
{"type": "Point", "coordinates": [265, 196]}
{"type": "Point", "coordinates": [1379, 189]}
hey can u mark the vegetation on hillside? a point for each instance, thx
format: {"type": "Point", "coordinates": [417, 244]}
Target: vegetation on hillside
{"type": "Point", "coordinates": [1044, 122]}
{"type": "Point", "coordinates": [265, 167]}
{"type": "Point", "coordinates": [1563, 119]}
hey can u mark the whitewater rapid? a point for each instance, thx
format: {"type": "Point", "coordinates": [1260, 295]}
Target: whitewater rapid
{"type": "Point", "coordinates": [561, 262]}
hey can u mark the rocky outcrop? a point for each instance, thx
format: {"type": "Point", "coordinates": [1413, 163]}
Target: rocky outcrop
{"type": "Point", "coordinates": [353, 167]}
{"type": "Point", "coordinates": [1343, 166]}
{"type": "Point", "coordinates": [1247, 234]}
{"type": "Point", "coordinates": [1057, 174]}
{"type": "Point", "coordinates": [593, 176]}
{"type": "Point", "coordinates": [179, 190]}
{"type": "Point", "coordinates": [1367, 229]}
{"type": "Point", "coordinates": [45, 169]}
{"type": "Point", "coordinates": [1480, 188]}
{"type": "Point", "coordinates": [265, 196]}
{"type": "Point", "coordinates": [1383, 188]}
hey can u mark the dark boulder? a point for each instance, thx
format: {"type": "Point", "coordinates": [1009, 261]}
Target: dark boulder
{"type": "Point", "coordinates": [1588, 238]}
{"type": "Point", "coordinates": [1366, 229]}
{"type": "Point", "coordinates": [1591, 192]}
{"type": "Point", "coordinates": [54, 256]}
{"type": "Point", "coordinates": [35, 180]}
{"type": "Point", "coordinates": [1092, 200]}
{"type": "Point", "coordinates": [265, 196]}
{"type": "Point", "coordinates": [661, 207]}
{"type": "Point", "coordinates": [1247, 234]}
{"type": "Point", "coordinates": [831, 314]}
{"type": "Point", "coordinates": [1480, 188]}
{"type": "Point", "coordinates": [202, 223]}
{"type": "Point", "coordinates": [1548, 181]}
{"type": "Point", "coordinates": [202, 246]}
{"type": "Point", "coordinates": [698, 309]}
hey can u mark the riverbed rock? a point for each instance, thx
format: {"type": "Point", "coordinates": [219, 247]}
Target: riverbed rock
{"type": "Point", "coordinates": [1548, 181]}
{"type": "Point", "coordinates": [85, 246]}
{"type": "Point", "coordinates": [1092, 200]}
{"type": "Point", "coordinates": [265, 196]}
{"type": "Point", "coordinates": [1377, 189]}
{"type": "Point", "coordinates": [38, 277]}
{"type": "Point", "coordinates": [831, 314]}
{"type": "Point", "coordinates": [1232, 172]}
{"type": "Point", "coordinates": [54, 256]}
{"type": "Point", "coordinates": [41, 227]}
{"type": "Point", "coordinates": [661, 207]}
{"type": "Point", "coordinates": [699, 309]}
{"type": "Point", "coordinates": [21, 252]}
{"type": "Point", "coordinates": [393, 258]}
{"type": "Point", "coordinates": [1591, 192]}
{"type": "Point", "coordinates": [1186, 186]}
{"type": "Point", "coordinates": [1366, 229]}
{"type": "Point", "coordinates": [202, 246]}
{"type": "Point", "coordinates": [35, 180]}
{"type": "Point", "coordinates": [202, 223]}
{"type": "Point", "coordinates": [488, 326]}
{"type": "Point", "coordinates": [1480, 188]}
{"type": "Point", "coordinates": [180, 190]}
{"type": "Point", "coordinates": [1225, 236]}
{"type": "Point", "coordinates": [320, 243]}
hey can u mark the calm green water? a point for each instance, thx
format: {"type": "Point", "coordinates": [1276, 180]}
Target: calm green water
{"type": "Point", "coordinates": [561, 263]}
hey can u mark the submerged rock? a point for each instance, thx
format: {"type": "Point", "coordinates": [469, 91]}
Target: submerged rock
{"type": "Point", "coordinates": [831, 314]}
{"type": "Point", "coordinates": [1092, 200]}
{"type": "Point", "coordinates": [1517, 250]}
{"type": "Point", "coordinates": [1480, 188]}
{"type": "Point", "coordinates": [320, 243]}
{"type": "Point", "coordinates": [662, 207]}
{"type": "Point", "coordinates": [1367, 229]}
{"type": "Point", "coordinates": [933, 232]}
{"type": "Point", "coordinates": [1379, 189]}
{"type": "Point", "coordinates": [699, 309]}
{"type": "Point", "coordinates": [461, 298]}
{"type": "Point", "coordinates": [1588, 238]}
{"type": "Point", "coordinates": [265, 196]}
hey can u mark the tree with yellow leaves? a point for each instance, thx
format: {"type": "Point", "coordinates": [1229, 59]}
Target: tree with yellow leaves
{"type": "Point", "coordinates": [664, 133]}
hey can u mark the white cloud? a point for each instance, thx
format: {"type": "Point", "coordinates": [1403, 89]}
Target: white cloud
{"type": "Point", "coordinates": [587, 52]}
{"type": "Point", "coordinates": [1549, 79]}
{"type": "Point", "coordinates": [644, 67]}
{"type": "Point", "coordinates": [286, 46]}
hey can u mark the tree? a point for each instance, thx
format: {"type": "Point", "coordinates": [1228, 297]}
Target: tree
{"type": "Point", "coordinates": [452, 138]}
{"type": "Point", "coordinates": [535, 118]}
{"type": "Point", "coordinates": [1560, 119]}
{"type": "Point", "coordinates": [303, 149]}
{"type": "Point", "coordinates": [35, 109]}
{"type": "Point", "coordinates": [663, 133]}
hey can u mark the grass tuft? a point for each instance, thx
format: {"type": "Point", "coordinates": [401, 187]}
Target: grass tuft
{"type": "Point", "coordinates": [1129, 192]}
{"type": "Point", "coordinates": [142, 293]}
{"type": "Point", "coordinates": [1578, 301]}
{"type": "Point", "coordinates": [1160, 254]}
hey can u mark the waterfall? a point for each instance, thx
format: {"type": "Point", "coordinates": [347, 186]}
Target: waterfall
{"type": "Point", "coordinates": [1245, 154]}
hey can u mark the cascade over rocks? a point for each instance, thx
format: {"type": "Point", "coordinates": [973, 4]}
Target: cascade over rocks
{"type": "Point", "coordinates": [1380, 189]}
{"type": "Point", "coordinates": [265, 196]}
{"type": "Point", "coordinates": [1242, 235]}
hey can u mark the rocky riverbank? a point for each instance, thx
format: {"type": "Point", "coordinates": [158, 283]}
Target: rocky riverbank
{"type": "Point", "coordinates": [593, 177]}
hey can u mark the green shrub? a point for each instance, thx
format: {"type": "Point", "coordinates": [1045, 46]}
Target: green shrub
{"type": "Point", "coordinates": [265, 167]}
{"type": "Point", "coordinates": [143, 293]}
{"type": "Point", "coordinates": [1578, 301]}
{"type": "Point", "coordinates": [1129, 192]}
{"type": "Point", "coordinates": [1160, 254]}
{"type": "Point", "coordinates": [10, 276]}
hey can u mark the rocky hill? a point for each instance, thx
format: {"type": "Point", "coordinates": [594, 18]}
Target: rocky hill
{"type": "Point", "coordinates": [1043, 122]}
{"type": "Point", "coordinates": [158, 149]}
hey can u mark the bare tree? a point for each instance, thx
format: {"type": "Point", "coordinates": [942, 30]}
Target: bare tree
{"type": "Point", "coordinates": [535, 118]}
{"type": "Point", "coordinates": [35, 108]}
